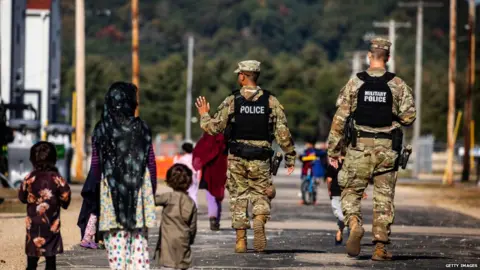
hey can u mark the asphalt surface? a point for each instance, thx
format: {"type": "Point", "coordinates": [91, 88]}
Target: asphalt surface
{"type": "Point", "coordinates": [302, 237]}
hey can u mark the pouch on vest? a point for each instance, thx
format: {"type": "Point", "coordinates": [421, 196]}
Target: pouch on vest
{"type": "Point", "coordinates": [374, 101]}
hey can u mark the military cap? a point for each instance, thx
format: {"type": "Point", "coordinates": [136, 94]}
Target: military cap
{"type": "Point", "coordinates": [380, 43]}
{"type": "Point", "coordinates": [248, 65]}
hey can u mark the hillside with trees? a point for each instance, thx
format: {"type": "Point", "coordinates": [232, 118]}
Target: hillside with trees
{"type": "Point", "coordinates": [305, 47]}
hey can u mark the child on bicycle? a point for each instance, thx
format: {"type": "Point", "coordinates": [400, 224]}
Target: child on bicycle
{"type": "Point", "coordinates": [308, 158]}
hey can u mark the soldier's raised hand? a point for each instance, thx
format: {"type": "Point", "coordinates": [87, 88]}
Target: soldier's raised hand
{"type": "Point", "coordinates": [202, 105]}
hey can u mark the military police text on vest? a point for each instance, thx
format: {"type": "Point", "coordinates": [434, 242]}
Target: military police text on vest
{"type": "Point", "coordinates": [252, 109]}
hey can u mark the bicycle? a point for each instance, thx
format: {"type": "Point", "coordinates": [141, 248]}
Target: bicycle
{"type": "Point", "coordinates": [309, 190]}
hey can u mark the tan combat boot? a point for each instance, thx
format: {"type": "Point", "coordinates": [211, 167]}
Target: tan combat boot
{"type": "Point", "coordinates": [355, 237]}
{"type": "Point", "coordinates": [241, 242]}
{"type": "Point", "coordinates": [380, 253]}
{"type": "Point", "coordinates": [259, 238]}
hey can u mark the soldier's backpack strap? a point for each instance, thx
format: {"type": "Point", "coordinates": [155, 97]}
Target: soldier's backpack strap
{"type": "Point", "coordinates": [265, 91]}
{"type": "Point", "coordinates": [271, 126]}
{"type": "Point", "coordinates": [388, 76]}
{"type": "Point", "coordinates": [363, 76]}
{"type": "Point", "coordinates": [237, 100]}
{"type": "Point", "coordinates": [228, 133]}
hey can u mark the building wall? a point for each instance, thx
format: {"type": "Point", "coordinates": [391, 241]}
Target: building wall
{"type": "Point", "coordinates": [6, 46]}
{"type": "Point", "coordinates": [37, 51]}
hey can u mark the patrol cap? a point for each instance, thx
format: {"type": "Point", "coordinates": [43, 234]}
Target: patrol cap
{"type": "Point", "coordinates": [380, 43]}
{"type": "Point", "coordinates": [248, 65]}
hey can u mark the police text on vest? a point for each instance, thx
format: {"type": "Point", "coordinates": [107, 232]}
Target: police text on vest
{"type": "Point", "coordinates": [252, 109]}
{"type": "Point", "coordinates": [374, 96]}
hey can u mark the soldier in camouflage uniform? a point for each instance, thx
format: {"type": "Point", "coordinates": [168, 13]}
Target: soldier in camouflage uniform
{"type": "Point", "coordinates": [256, 118]}
{"type": "Point", "coordinates": [380, 103]}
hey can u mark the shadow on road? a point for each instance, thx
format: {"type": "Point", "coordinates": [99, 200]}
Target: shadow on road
{"type": "Point", "coordinates": [406, 257]}
{"type": "Point", "coordinates": [421, 257]}
{"type": "Point", "coordinates": [291, 251]}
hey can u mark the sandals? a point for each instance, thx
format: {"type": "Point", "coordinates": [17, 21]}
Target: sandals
{"type": "Point", "coordinates": [89, 245]}
{"type": "Point", "coordinates": [100, 245]}
{"type": "Point", "coordinates": [338, 242]}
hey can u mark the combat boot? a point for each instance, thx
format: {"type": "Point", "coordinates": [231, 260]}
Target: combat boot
{"type": "Point", "coordinates": [241, 242]}
{"type": "Point", "coordinates": [355, 237]}
{"type": "Point", "coordinates": [259, 238]}
{"type": "Point", "coordinates": [380, 253]}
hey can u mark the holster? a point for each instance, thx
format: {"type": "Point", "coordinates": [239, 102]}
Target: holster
{"type": "Point", "coordinates": [397, 140]}
{"type": "Point", "coordinates": [404, 156]}
{"type": "Point", "coordinates": [249, 152]}
{"type": "Point", "coordinates": [275, 164]}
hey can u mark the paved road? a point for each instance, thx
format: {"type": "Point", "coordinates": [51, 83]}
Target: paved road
{"type": "Point", "coordinates": [301, 237]}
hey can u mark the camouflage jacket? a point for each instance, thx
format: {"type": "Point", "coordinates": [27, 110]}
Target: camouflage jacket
{"type": "Point", "coordinates": [403, 107]}
{"type": "Point", "coordinates": [218, 123]}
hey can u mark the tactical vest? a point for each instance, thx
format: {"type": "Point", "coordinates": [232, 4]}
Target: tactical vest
{"type": "Point", "coordinates": [251, 118]}
{"type": "Point", "coordinates": [374, 101]}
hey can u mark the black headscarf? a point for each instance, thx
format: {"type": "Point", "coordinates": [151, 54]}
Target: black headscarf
{"type": "Point", "coordinates": [123, 141]}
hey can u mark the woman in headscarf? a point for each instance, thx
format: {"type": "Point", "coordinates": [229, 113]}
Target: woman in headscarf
{"type": "Point", "coordinates": [122, 143]}
{"type": "Point", "coordinates": [210, 158]}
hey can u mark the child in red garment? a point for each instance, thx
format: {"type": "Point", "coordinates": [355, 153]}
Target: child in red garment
{"type": "Point", "coordinates": [307, 162]}
{"type": "Point", "coordinates": [44, 191]}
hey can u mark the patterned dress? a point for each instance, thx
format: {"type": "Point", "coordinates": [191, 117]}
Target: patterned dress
{"type": "Point", "coordinates": [128, 249]}
{"type": "Point", "coordinates": [44, 193]}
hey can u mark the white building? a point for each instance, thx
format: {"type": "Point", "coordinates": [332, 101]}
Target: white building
{"type": "Point", "coordinates": [31, 56]}
{"type": "Point", "coordinates": [12, 51]}
{"type": "Point", "coordinates": [43, 58]}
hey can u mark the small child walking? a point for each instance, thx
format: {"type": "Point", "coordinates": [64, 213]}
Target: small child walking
{"type": "Point", "coordinates": [179, 220]}
{"type": "Point", "coordinates": [187, 159]}
{"type": "Point", "coordinates": [335, 193]}
{"type": "Point", "coordinates": [44, 191]}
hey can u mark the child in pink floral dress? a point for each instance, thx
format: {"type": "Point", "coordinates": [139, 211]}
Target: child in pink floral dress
{"type": "Point", "coordinates": [44, 191]}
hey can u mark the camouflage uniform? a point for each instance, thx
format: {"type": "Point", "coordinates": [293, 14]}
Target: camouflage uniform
{"type": "Point", "coordinates": [372, 157]}
{"type": "Point", "coordinates": [249, 180]}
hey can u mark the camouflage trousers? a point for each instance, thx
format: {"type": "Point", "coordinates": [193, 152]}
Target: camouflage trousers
{"type": "Point", "coordinates": [371, 159]}
{"type": "Point", "coordinates": [248, 181]}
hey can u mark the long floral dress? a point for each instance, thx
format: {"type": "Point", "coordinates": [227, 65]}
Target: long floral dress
{"type": "Point", "coordinates": [44, 193]}
{"type": "Point", "coordinates": [128, 249]}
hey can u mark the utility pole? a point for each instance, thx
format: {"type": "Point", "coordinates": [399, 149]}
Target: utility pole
{"type": "Point", "coordinates": [80, 86]}
{"type": "Point", "coordinates": [135, 60]}
{"type": "Point", "coordinates": [468, 97]}
{"type": "Point", "coordinates": [188, 115]}
{"type": "Point", "coordinates": [392, 26]}
{"type": "Point", "coordinates": [357, 63]}
{"type": "Point", "coordinates": [420, 5]}
{"type": "Point", "coordinates": [452, 69]}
